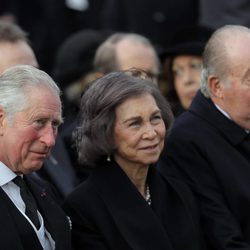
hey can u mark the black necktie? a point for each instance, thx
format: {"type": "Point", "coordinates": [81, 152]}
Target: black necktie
{"type": "Point", "coordinates": [30, 204]}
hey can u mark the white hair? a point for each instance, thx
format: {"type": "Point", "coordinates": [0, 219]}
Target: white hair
{"type": "Point", "coordinates": [14, 83]}
{"type": "Point", "coordinates": [216, 60]}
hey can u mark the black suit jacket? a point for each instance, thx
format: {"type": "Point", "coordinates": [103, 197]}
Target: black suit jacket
{"type": "Point", "coordinates": [55, 220]}
{"type": "Point", "coordinates": [108, 212]}
{"type": "Point", "coordinates": [58, 170]}
{"type": "Point", "coordinates": [207, 150]}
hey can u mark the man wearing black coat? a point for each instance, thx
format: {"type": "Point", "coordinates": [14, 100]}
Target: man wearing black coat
{"type": "Point", "coordinates": [209, 145]}
{"type": "Point", "coordinates": [30, 113]}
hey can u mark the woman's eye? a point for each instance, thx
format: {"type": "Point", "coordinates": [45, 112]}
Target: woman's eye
{"type": "Point", "coordinates": [156, 118]}
{"type": "Point", "coordinates": [196, 65]}
{"type": "Point", "coordinates": [177, 72]}
{"type": "Point", "coordinates": [134, 124]}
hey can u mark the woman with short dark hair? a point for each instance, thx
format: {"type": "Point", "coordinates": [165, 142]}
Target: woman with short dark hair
{"type": "Point", "coordinates": [125, 203]}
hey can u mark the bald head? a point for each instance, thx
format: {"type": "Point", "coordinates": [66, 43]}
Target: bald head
{"type": "Point", "coordinates": [14, 47]}
{"type": "Point", "coordinates": [223, 52]}
{"type": "Point", "coordinates": [124, 51]}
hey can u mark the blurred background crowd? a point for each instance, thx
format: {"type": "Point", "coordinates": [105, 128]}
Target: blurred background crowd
{"type": "Point", "coordinates": [76, 41]}
{"type": "Point", "coordinates": [52, 26]}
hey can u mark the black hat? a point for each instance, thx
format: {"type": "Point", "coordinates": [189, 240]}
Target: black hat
{"type": "Point", "coordinates": [188, 41]}
{"type": "Point", "coordinates": [75, 56]}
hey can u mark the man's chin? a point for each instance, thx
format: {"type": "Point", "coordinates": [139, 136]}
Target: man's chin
{"type": "Point", "coordinates": [32, 168]}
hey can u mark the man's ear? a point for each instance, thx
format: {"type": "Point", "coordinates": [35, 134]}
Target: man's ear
{"type": "Point", "coordinates": [98, 74]}
{"type": "Point", "coordinates": [215, 87]}
{"type": "Point", "coordinates": [2, 121]}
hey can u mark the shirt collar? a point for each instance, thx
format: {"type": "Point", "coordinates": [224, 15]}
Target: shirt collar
{"type": "Point", "coordinates": [226, 114]}
{"type": "Point", "coordinates": [222, 111]}
{"type": "Point", "coordinates": [6, 175]}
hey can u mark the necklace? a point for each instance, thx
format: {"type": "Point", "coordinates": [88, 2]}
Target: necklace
{"type": "Point", "coordinates": [148, 196]}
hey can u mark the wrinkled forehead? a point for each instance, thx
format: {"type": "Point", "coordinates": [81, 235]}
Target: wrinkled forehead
{"type": "Point", "coordinates": [137, 56]}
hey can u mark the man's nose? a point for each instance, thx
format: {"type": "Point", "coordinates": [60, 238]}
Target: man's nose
{"type": "Point", "coordinates": [49, 136]}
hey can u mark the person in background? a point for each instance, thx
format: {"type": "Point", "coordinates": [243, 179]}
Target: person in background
{"type": "Point", "coordinates": [30, 113]}
{"type": "Point", "coordinates": [209, 146]}
{"type": "Point", "coordinates": [125, 203]}
{"type": "Point", "coordinates": [74, 70]}
{"type": "Point", "coordinates": [122, 51]}
{"type": "Point", "coordinates": [182, 64]}
{"type": "Point", "coordinates": [15, 49]}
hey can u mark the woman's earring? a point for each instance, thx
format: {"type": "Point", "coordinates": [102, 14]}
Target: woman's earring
{"type": "Point", "coordinates": [108, 158]}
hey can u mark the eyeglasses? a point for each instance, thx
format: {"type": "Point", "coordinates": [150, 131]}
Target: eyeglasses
{"type": "Point", "coordinates": [142, 74]}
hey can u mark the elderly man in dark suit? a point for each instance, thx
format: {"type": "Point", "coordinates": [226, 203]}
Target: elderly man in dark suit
{"type": "Point", "coordinates": [30, 113]}
{"type": "Point", "coordinates": [209, 145]}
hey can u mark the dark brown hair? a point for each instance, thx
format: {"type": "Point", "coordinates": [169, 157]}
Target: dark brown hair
{"type": "Point", "coordinates": [94, 133]}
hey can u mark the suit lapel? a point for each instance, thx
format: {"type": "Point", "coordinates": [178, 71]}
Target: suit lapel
{"type": "Point", "coordinates": [9, 238]}
{"type": "Point", "coordinates": [54, 218]}
{"type": "Point", "coordinates": [135, 220]}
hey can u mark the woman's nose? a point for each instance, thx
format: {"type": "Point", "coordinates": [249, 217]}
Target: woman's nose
{"type": "Point", "coordinates": [149, 132]}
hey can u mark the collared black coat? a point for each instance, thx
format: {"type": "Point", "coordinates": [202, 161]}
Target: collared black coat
{"type": "Point", "coordinates": [108, 212]}
{"type": "Point", "coordinates": [16, 233]}
{"type": "Point", "coordinates": [206, 149]}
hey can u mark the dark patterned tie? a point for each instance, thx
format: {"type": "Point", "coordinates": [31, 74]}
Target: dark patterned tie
{"type": "Point", "coordinates": [30, 204]}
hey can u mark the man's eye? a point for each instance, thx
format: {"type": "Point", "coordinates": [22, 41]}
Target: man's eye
{"type": "Point", "coordinates": [40, 122]}
{"type": "Point", "coordinates": [55, 124]}
{"type": "Point", "coordinates": [247, 81]}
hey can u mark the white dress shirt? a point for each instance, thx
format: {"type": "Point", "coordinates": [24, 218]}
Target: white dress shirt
{"type": "Point", "coordinates": [13, 192]}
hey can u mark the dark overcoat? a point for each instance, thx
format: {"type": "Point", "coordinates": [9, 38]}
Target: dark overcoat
{"type": "Point", "coordinates": [108, 212]}
{"type": "Point", "coordinates": [212, 154]}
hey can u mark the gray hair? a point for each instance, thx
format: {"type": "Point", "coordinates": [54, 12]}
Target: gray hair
{"type": "Point", "coordinates": [14, 83]}
{"type": "Point", "coordinates": [94, 133]}
{"type": "Point", "coordinates": [216, 60]}
{"type": "Point", "coordinates": [10, 32]}
{"type": "Point", "coordinates": [105, 60]}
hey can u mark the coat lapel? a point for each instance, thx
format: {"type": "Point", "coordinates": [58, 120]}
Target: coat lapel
{"type": "Point", "coordinates": [171, 202]}
{"type": "Point", "coordinates": [205, 108]}
{"type": "Point", "coordinates": [232, 132]}
{"type": "Point", "coordinates": [135, 220]}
